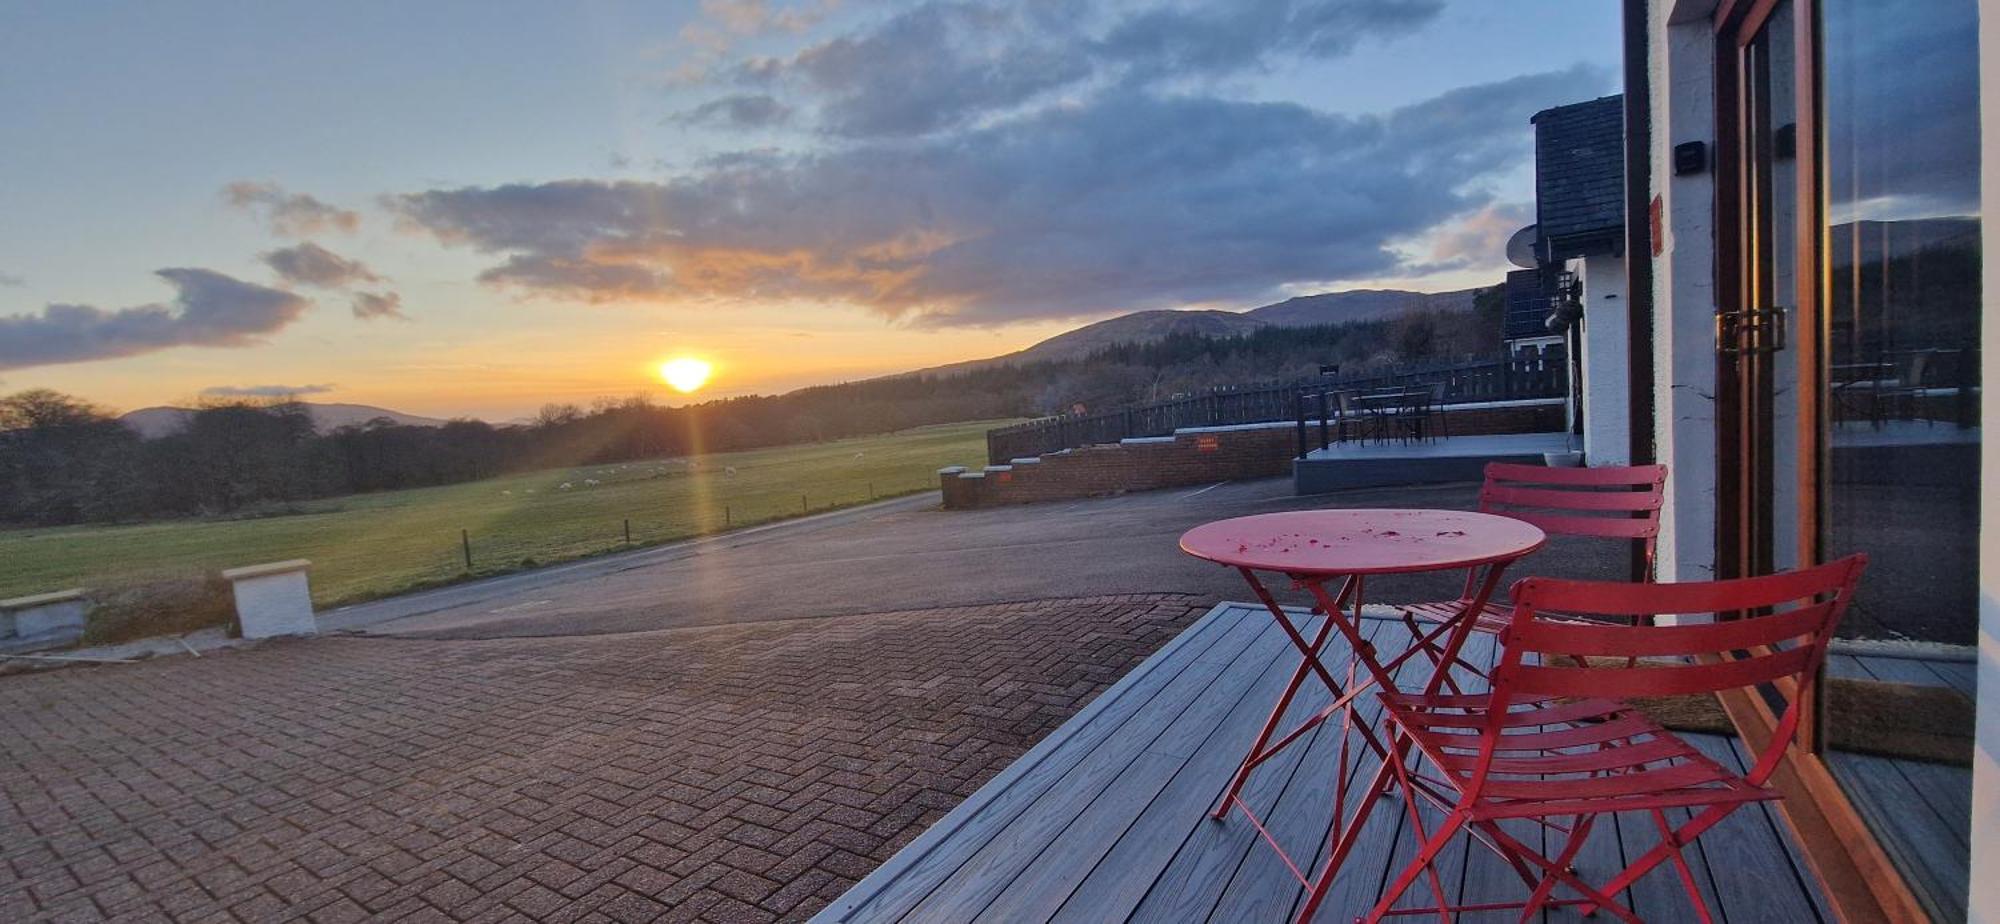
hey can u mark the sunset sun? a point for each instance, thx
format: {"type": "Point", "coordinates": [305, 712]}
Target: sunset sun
{"type": "Point", "coordinates": [685, 373]}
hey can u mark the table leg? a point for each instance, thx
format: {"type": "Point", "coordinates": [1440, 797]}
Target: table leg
{"type": "Point", "coordinates": [1309, 662]}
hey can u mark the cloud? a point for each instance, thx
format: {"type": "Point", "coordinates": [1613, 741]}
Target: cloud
{"type": "Point", "coordinates": [294, 215]}
{"type": "Point", "coordinates": [947, 63]}
{"type": "Point", "coordinates": [264, 391]}
{"type": "Point", "coordinates": [12, 281]}
{"type": "Point", "coordinates": [313, 265]}
{"type": "Point", "coordinates": [368, 306]}
{"type": "Point", "coordinates": [741, 110]}
{"type": "Point", "coordinates": [1126, 200]}
{"type": "Point", "coordinates": [209, 309]}
{"type": "Point", "coordinates": [1476, 239]}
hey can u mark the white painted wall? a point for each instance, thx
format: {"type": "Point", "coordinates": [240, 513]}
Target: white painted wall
{"type": "Point", "coordinates": [1606, 361]}
{"type": "Point", "coordinates": [1984, 907]}
{"type": "Point", "coordinates": [1682, 65]}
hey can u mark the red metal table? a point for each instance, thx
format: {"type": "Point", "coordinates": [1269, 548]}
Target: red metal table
{"type": "Point", "coordinates": [1313, 548]}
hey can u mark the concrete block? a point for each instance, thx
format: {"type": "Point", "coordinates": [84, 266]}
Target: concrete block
{"type": "Point", "coordinates": [50, 620]}
{"type": "Point", "coordinates": [273, 599]}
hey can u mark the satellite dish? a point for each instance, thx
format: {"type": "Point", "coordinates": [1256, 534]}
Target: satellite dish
{"type": "Point", "coordinates": [1521, 248]}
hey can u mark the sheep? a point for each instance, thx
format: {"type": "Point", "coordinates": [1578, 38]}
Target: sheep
{"type": "Point", "coordinates": [729, 472]}
{"type": "Point", "coordinates": [506, 494]}
{"type": "Point", "coordinates": [860, 454]}
{"type": "Point", "coordinates": [591, 482]}
{"type": "Point", "coordinates": [564, 486]}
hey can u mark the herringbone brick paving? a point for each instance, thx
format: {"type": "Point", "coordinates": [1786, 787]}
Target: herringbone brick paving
{"type": "Point", "coordinates": [745, 773]}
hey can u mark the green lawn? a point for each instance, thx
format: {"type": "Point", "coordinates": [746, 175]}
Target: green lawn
{"type": "Point", "coordinates": [372, 545]}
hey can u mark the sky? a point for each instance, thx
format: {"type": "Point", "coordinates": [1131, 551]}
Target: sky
{"type": "Point", "coordinates": [472, 209]}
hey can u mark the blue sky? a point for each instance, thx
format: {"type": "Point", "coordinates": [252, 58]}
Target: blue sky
{"type": "Point", "coordinates": [544, 200]}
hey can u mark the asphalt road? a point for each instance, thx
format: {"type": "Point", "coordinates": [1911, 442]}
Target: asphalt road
{"type": "Point", "coordinates": [909, 554]}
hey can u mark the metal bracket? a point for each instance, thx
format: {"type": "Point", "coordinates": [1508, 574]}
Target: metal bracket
{"type": "Point", "coordinates": [1754, 330]}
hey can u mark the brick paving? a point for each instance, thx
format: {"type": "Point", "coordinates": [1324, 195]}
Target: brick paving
{"type": "Point", "coordinates": [733, 774]}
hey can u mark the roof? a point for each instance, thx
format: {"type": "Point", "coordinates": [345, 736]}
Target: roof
{"type": "Point", "coordinates": [1580, 178]}
{"type": "Point", "coordinates": [1527, 306]}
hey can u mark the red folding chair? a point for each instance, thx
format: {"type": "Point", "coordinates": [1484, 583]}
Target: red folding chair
{"type": "Point", "coordinates": [1614, 502]}
{"type": "Point", "coordinates": [1553, 738]}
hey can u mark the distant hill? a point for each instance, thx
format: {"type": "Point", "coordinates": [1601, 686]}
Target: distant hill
{"type": "Point", "coordinates": [155, 422]}
{"type": "Point", "coordinates": [1359, 305]}
{"type": "Point", "coordinates": [1149, 326]}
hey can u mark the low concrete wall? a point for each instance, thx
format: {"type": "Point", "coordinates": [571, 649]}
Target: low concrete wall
{"type": "Point", "coordinates": [42, 621]}
{"type": "Point", "coordinates": [1192, 456]}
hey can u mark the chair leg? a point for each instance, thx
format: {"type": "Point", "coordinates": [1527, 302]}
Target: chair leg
{"type": "Point", "coordinates": [1681, 866]}
{"type": "Point", "coordinates": [1578, 834]}
{"type": "Point", "coordinates": [1417, 867]}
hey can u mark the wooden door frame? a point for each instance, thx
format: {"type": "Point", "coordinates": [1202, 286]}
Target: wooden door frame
{"type": "Point", "coordinates": [1859, 879]}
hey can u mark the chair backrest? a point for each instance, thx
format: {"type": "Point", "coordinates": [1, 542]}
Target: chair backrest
{"type": "Point", "coordinates": [1791, 618]}
{"type": "Point", "coordinates": [1347, 408]}
{"type": "Point", "coordinates": [1613, 502]}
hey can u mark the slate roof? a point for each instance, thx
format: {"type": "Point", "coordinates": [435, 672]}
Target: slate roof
{"type": "Point", "coordinates": [1527, 306]}
{"type": "Point", "coordinates": [1580, 178]}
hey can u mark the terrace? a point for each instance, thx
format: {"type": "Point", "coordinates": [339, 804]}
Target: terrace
{"type": "Point", "coordinates": [1107, 818]}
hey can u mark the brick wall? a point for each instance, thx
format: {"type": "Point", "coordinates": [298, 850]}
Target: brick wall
{"type": "Point", "coordinates": [1201, 455]}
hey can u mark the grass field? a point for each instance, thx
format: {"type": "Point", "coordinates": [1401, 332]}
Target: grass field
{"type": "Point", "coordinates": [373, 545]}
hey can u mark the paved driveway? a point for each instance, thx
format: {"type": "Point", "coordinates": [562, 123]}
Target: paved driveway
{"type": "Point", "coordinates": [909, 553]}
{"type": "Point", "coordinates": [721, 774]}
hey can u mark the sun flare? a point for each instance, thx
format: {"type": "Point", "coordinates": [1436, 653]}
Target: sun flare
{"type": "Point", "coordinates": [685, 373]}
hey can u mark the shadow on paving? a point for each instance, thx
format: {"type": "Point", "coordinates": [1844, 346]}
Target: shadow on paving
{"type": "Point", "coordinates": [910, 556]}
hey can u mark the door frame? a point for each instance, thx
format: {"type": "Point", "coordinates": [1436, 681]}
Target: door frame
{"type": "Point", "coordinates": [1859, 879]}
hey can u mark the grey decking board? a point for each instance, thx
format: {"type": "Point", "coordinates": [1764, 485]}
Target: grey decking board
{"type": "Point", "coordinates": [1962, 676]}
{"type": "Point", "coordinates": [1929, 853]}
{"type": "Point", "coordinates": [1189, 883]}
{"type": "Point", "coordinates": [1374, 856]}
{"type": "Point", "coordinates": [1044, 885]}
{"type": "Point", "coordinates": [984, 875]}
{"type": "Point", "coordinates": [932, 850]}
{"type": "Point", "coordinates": [1122, 878]}
{"type": "Point", "coordinates": [1746, 856]}
{"type": "Point", "coordinates": [1168, 833]}
{"type": "Point", "coordinates": [1300, 817]}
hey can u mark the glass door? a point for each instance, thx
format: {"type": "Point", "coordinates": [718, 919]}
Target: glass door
{"type": "Point", "coordinates": [1847, 334]}
{"type": "Point", "coordinates": [1898, 425]}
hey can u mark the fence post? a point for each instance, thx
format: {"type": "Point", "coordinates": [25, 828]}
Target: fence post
{"type": "Point", "coordinates": [465, 541]}
{"type": "Point", "coordinates": [628, 530]}
{"type": "Point", "coordinates": [725, 516]}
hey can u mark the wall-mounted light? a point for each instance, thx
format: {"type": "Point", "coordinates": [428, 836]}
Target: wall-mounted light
{"type": "Point", "coordinates": [1690, 158]}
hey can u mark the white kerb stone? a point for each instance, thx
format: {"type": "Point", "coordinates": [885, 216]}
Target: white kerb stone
{"type": "Point", "coordinates": [273, 599]}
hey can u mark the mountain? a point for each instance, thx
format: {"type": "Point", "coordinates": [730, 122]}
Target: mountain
{"type": "Point", "coordinates": [155, 422]}
{"type": "Point", "coordinates": [1359, 305]}
{"type": "Point", "coordinates": [1148, 326]}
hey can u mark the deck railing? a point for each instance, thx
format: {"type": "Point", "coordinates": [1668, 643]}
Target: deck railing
{"type": "Point", "coordinates": [1478, 380]}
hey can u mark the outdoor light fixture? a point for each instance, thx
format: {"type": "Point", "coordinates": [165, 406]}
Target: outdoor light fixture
{"type": "Point", "coordinates": [1690, 158]}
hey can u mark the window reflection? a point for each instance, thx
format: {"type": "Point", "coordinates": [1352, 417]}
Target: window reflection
{"type": "Point", "coordinates": [1900, 103]}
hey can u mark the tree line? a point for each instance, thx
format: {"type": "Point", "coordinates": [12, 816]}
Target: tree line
{"type": "Point", "coordinates": [64, 460]}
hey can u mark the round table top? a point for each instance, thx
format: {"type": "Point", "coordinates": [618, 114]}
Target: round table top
{"type": "Point", "coordinates": [1362, 541]}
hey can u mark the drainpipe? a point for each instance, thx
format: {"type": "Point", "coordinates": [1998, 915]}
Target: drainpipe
{"type": "Point", "coordinates": [1639, 243]}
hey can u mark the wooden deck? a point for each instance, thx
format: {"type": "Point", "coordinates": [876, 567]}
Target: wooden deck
{"type": "Point", "coordinates": [1105, 820]}
{"type": "Point", "coordinates": [1922, 811]}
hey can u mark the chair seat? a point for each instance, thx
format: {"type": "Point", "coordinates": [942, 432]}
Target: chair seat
{"type": "Point", "coordinates": [1491, 618]}
{"type": "Point", "coordinates": [1566, 757]}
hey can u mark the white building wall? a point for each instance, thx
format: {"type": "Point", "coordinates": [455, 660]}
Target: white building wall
{"type": "Point", "coordinates": [1984, 907]}
{"type": "Point", "coordinates": [1681, 60]}
{"type": "Point", "coordinates": [1606, 360]}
